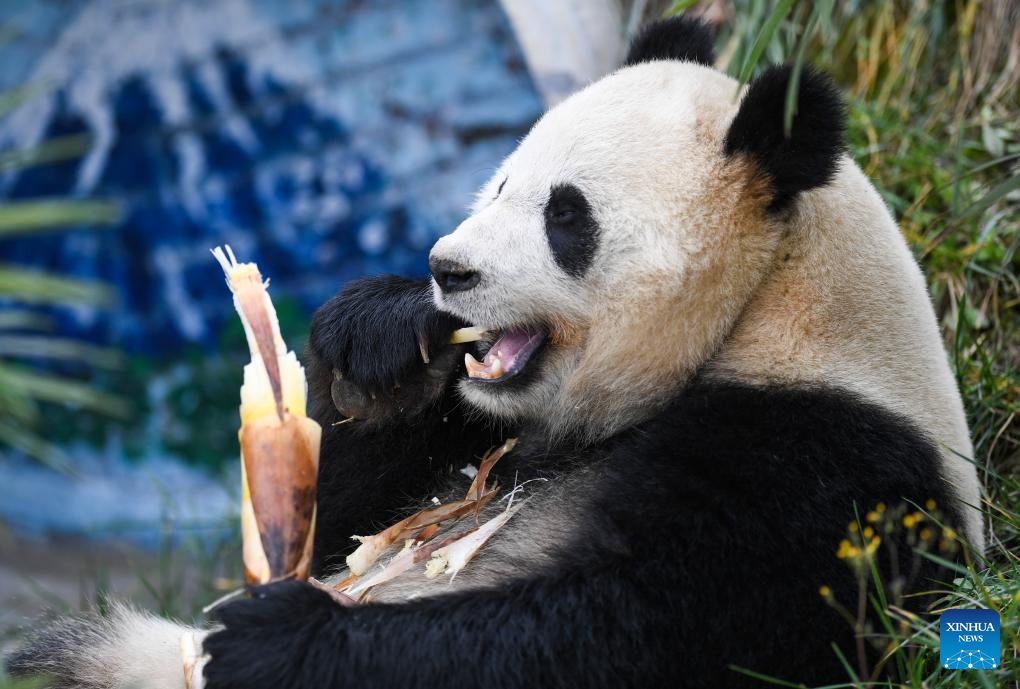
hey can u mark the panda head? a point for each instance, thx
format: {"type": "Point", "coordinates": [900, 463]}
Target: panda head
{"type": "Point", "coordinates": [612, 251]}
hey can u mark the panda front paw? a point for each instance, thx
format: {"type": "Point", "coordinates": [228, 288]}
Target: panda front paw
{"type": "Point", "coordinates": [271, 640]}
{"type": "Point", "coordinates": [380, 349]}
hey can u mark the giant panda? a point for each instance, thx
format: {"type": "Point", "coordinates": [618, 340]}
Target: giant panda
{"type": "Point", "coordinates": [717, 354]}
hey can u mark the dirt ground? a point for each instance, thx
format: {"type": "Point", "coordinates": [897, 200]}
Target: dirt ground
{"type": "Point", "coordinates": [45, 576]}
{"type": "Point", "coordinates": [39, 576]}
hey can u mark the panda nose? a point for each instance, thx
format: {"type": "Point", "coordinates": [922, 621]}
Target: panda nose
{"type": "Point", "coordinates": [452, 276]}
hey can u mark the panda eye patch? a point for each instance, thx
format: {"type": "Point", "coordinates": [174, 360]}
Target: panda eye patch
{"type": "Point", "coordinates": [563, 214]}
{"type": "Point", "coordinates": [566, 205]}
{"type": "Point", "coordinates": [571, 229]}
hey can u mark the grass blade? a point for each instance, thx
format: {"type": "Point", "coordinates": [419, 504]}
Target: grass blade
{"type": "Point", "coordinates": [33, 286]}
{"type": "Point", "coordinates": [794, 86]}
{"type": "Point", "coordinates": [778, 14]}
{"type": "Point", "coordinates": [678, 7]}
{"type": "Point", "coordinates": [846, 664]}
{"type": "Point", "coordinates": [22, 410]}
{"type": "Point", "coordinates": [33, 216]}
{"type": "Point", "coordinates": [12, 99]}
{"type": "Point", "coordinates": [765, 678]}
{"type": "Point", "coordinates": [989, 199]}
{"type": "Point", "coordinates": [34, 346]}
{"type": "Point", "coordinates": [51, 388]}
{"type": "Point", "coordinates": [54, 150]}
{"type": "Point", "coordinates": [21, 319]}
{"type": "Point", "coordinates": [36, 447]}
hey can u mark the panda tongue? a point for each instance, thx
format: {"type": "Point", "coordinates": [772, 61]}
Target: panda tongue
{"type": "Point", "coordinates": [502, 357]}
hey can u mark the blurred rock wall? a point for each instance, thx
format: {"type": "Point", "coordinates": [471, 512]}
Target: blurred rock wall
{"type": "Point", "coordinates": [324, 140]}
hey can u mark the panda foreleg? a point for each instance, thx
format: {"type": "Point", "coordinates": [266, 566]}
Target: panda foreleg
{"type": "Point", "coordinates": [598, 630]}
{"type": "Point", "coordinates": [380, 371]}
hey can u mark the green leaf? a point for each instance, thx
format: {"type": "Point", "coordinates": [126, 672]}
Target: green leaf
{"type": "Point", "coordinates": [53, 150]}
{"type": "Point", "coordinates": [51, 388]}
{"type": "Point", "coordinates": [678, 7]}
{"type": "Point", "coordinates": [32, 286]}
{"type": "Point", "coordinates": [38, 682]}
{"type": "Point", "coordinates": [778, 14]}
{"type": "Point", "coordinates": [35, 446]}
{"type": "Point", "coordinates": [989, 199]}
{"type": "Point", "coordinates": [34, 346]}
{"type": "Point", "coordinates": [32, 216]}
{"type": "Point", "coordinates": [960, 569]}
{"type": "Point", "coordinates": [794, 86]}
{"type": "Point", "coordinates": [11, 99]}
{"type": "Point", "coordinates": [845, 663]}
{"type": "Point", "coordinates": [768, 679]}
{"type": "Point", "coordinates": [21, 319]}
{"type": "Point", "coordinates": [20, 408]}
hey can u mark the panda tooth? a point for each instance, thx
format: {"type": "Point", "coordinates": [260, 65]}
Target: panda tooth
{"type": "Point", "coordinates": [476, 369]}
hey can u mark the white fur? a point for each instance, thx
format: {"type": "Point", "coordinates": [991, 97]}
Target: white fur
{"type": "Point", "coordinates": [850, 307]}
{"type": "Point", "coordinates": [643, 145]}
{"type": "Point", "coordinates": [690, 272]}
{"type": "Point", "coordinates": [128, 649]}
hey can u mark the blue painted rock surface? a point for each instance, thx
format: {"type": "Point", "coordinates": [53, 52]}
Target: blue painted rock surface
{"type": "Point", "coordinates": [324, 140]}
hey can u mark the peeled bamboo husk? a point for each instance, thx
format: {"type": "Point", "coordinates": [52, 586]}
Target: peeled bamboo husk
{"type": "Point", "coordinates": [427, 537]}
{"type": "Point", "coordinates": [193, 659]}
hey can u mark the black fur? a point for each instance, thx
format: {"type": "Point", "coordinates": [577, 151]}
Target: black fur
{"type": "Point", "coordinates": [704, 538]}
{"type": "Point", "coordinates": [402, 440]}
{"type": "Point", "coordinates": [809, 156]}
{"type": "Point", "coordinates": [371, 331]}
{"type": "Point", "coordinates": [677, 38]}
{"type": "Point", "coordinates": [369, 473]}
{"type": "Point", "coordinates": [571, 229]}
{"type": "Point", "coordinates": [56, 649]}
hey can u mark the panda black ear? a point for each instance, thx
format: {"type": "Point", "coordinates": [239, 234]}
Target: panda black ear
{"type": "Point", "coordinates": [677, 38]}
{"type": "Point", "coordinates": [809, 156]}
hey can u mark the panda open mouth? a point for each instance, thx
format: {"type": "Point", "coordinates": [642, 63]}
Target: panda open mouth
{"type": "Point", "coordinates": [507, 356]}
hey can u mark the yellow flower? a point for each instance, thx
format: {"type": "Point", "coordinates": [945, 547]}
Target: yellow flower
{"type": "Point", "coordinates": [873, 546]}
{"type": "Point", "coordinates": [826, 592]}
{"type": "Point", "coordinates": [853, 527]}
{"type": "Point", "coordinates": [868, 532]}
{"type": "Point", "coordinates": [872, 517]}
{"type": "Point", "coordinates": [948, 533]}
{"type": "Point", "coordinates": [909, 521]}
{"type": "Point", "coordinates": [930, 504]}
{"type": "Point", "coordinates": [925, 534]}
{"type": "Point", "coordinates": [880, 507]}
{"type": "Point", "coordinates": [847, 550]}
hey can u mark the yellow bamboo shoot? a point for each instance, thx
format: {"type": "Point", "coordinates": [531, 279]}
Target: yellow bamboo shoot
{"type": "Point", "coordinates": [279, 443]}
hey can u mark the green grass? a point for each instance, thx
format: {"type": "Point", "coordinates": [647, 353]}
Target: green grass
{"type": "Point", "coordinates": [934, 120]}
